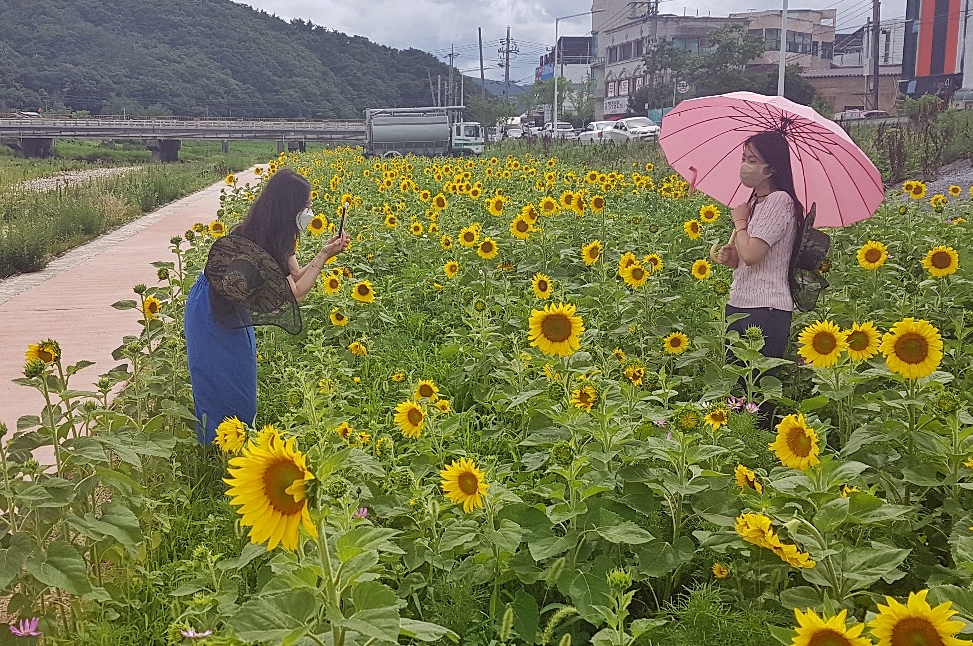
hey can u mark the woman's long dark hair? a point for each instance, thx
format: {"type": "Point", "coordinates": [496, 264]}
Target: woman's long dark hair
{"type": "Point", "coordinates": [772, 146]}
{"type": "Point", "coordinates": [272, 220]}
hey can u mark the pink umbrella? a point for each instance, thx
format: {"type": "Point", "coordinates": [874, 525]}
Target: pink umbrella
{"type": "Point", "coordinates": [703, 141]}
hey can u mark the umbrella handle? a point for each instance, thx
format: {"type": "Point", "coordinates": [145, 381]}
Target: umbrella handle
{"type": "Point", "coordinates": [692, 182]}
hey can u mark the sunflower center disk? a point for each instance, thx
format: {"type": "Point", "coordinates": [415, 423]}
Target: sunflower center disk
{"type": "Point", "coordinates": [799, 443]}
{"type": "Point", "coordinates": [872, 255]}
{"type": "Point", "coordinates": [911, 348]}
{"type": "Point", "coordinates": [542, 285]}
{"type": "Point", "coordinates": [415, 416]}
{"type": "Point", "coordinates": [556, 328]}
{"type": "Point", "coordinates": [425, 391]}
{"type": "Point", "coordinates": [468, 483]}
{"type": "Point", "coordinates": [824, 343]}
{"type": "Point", "coordinates": [940, 260]}
{"type": "Point", "coordinates": [278, 477]}
{"type": "Point", "coordinates": [828, 637]}
{"type": "Point", "coordinates": [857, 341]}
{"type": "Point", "coordinates": [915, 631]}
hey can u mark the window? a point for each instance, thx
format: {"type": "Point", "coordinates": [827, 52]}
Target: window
{"type": "Point", "coordinates": [471, 131]}
{"type": "Point", "coordinates": [771, 40]}
{"type": "Point", "coordinates": [814, 48]}
{"type": "Point", "coordinates": [798, 42]}
{"type": "Point", "coordinates": [623, 88]}
{"type": "Point", "coordinates": [610, 89]}
{"type": "Point", "coordinates": [827, 50]}
{"type": "Point", "coordinates": [612, 54]}
{"type": "Point", "coordinates": [759, 33]}
{"type": "Point", "coordinates": [639, 48]}
{"type": "Point", "coordinates": [626, 51]}
{"type": "Point", "coordinates": [639, 83]}
{"type": "Point", "coordinates": [689, 44]}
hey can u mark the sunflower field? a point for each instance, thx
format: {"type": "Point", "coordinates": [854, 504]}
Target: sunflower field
{"type": "Point", "coordinates": [510, 419]}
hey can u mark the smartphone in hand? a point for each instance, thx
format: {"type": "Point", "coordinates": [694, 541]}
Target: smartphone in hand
{"type": "Point", "coordinates": [344, 213]}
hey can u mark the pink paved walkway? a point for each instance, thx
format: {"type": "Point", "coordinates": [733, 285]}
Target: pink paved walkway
{"type": "Point", "coordinates": [70, 300]}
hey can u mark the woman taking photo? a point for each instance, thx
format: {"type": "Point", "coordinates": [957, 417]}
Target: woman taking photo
{"type": "Point", "coordinates": [252, 277]}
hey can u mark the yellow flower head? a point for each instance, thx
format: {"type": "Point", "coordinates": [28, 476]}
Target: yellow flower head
{"type": "Point", "coordinates": [822, 344]}
{"type": "Point", "coordinates": [520, 227]}
{"type": "Point", "coordinates": [541, 284]}
{"type": "Point", "coordinates": [556, 330]}
{"type": "Point", "coordinates": [717, 418]}
{"type": "Point", "coordinates": [941, 261]}
{"type": "Point", "coordinates": [591, 252]}
{"type": "Point", "coordinates": [331, 284]}
{"type": "Point", "coordinates": [635, 275]}
{"type": "Point", "coordinates": [701, 269]}
{"type": "Point", "coordinates": [693, 229]}
{"type": "Point", "coordinates": [231, 435]}
{"type": "Point", "coordinates": [912, 348]}
{"type": "Point", "coordinates": [487, 249]}
{"type": "Point", "coordinates": [451, 269]}
{"type": "Point", "coordinates": [426, 389]}
{"type": "Point", "coordinates": [872, 255]}
{"type": "Point", "coordinates": [675, 343]}
{"type": "Point", "coordinates": [747, 479]}
{"type": "Point", "coordinates": [337, 318]}
{"type": "Point", "coordinates": [47, 351]}
{"type": "Point", "coordinates": [464, 484]}
{"type": "Point", "coordinates": [217, 229]}
{"type": "Point", "coordinates": [796, 445]}
{"type": "Point", "coordinates": [863, 340]}
{"type": "Point", "coordinates": [410, 419]}
{"type": "Point", "coordinates": [709, 213]}
{"type": "Point", "coordinates": [363, 292]}
{"type": "Point", "coordinates": [653, 262]}
{"type": "Point", "coordinates": [151, 308]}
{"type": "Point", "coordinates": [468, 236]}
{"type": "Point", "coordinates": [358, 348]}
{"type": "Point", "coordinates": [584, 398]}
{"type": "Point", "coordinates": [813, 630]}
{"type": "Point", "coordinates": [720, 571]}
{"type": "Point", "coordinates": [916, 622]}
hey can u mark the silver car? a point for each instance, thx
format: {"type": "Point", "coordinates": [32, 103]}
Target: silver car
{"type": "Point", "coordinates": [633, 129]}
{"type": "Point", "coordinates": [594, 132]}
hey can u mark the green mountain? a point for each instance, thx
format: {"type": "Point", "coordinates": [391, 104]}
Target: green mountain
{"type": "Point", "coordinates": [197, 57]}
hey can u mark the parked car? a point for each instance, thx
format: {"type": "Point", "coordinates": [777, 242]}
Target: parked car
{"type": "Point", "coordinates": [565, 131]}
{"type": "Point", "coordinates": [875, 114]}
{"type": "Point", "coordinates": [594, 132]}
{"type": "Point", "coordinates": [632, 129]}
{"type": "Point", "coordinates": [849, 115]}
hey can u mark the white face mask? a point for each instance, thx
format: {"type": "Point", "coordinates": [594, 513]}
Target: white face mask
{"type": "Point", "coordinates": [304, 218]}
{"type": "Point", "coordinates": [752, 175]}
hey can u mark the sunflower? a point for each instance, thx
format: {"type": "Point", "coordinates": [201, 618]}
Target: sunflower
{"type": "Point", "coordinates": [541, 284]}
{"type": "Point", "coordinates": [530, 212]}
{"type": "Point", "coordinates": [822, 344]}
{"type": "Point", "coordinates": [917, 191]}
{"type": "Point", "coordinates": [955, 190]}
{"type": "Point", "coordinates": [391, 221]}
{"type": "Point", "coordinates": [318, 225]}
{"type": "Point", "coordinates": [907, 186]}
{"type": "Point", "coordinates": [591, 252]}
{"type": "Point", "coordinates": [440, 201]}
{"type": "Point", "coordinates": [598, 203]}
{"type": "Point", "coordinates": [627, 259]}
{"type": "Point", "coordinates": [815, 631]}
{"type": "Point", "coordinates": [363, 292]}
{"type": "Point", "coordinates": [567, 199]}
{"type": "Point", "coordinates": [464, 484]}
{"type": "Point", "coordinates": [446, 242]}
{"type": "Point", "coordinates": [635, 373]}
{"type": "Point", "coordinates": [675, 343]}
{"type": "Point", "coordinates": [619, 354]}
{"type": "Point", "coordinates": [47, 351]}
{"type": "Point", "coordinates": [344, 431]}
{"type": "Point", "coordinates": [862, 341]}
{"type": "Point", "coordinates": [426, 389]}
{"type": "Point", "coordinates": [468, 236]}
{"type": "Point", "coordinates": [217, 229]}
{"type": "Point", "coordinates": [268, 483]}
{"type": "Point", "coordinates": [941, 261]}
{"type": "Point", "coordinates": [425, 195]}
{"type": "Point", "coordinates": [709, 213]}
{"type": "Point", "coordinates": [399, 376]}
{"type": "Point", "coordinates": [717, 418]}
{"type": "Point", "coordinates": [912, 348]}
{"type": "Point", "coordinates": [338, 319]}
{"type": "Point", "coordinates": [410, 419]}
{"type": "Point", "coordinates": [692, 228]}
{"type": "Point", "coordinates": [231, 435]}
{"type": "Point", "coordinates": [872, 255]}
{"type": "Point", "coordinates": [635, 275]}
{"type": "Point", "coordinates": [556, 330]}
{"type": "Point", "coordinates": [720, 571]}
{"type": "Point", "coordinates": [442, 405]}
{"type": "Point", "coordinates": [488, 249]}
{"type": "Point", "coordinates": [151, 307]}
{"type": "Point", "coordinates": [747, 479]}
{"type": "Point", "coordinates": [701, 269]}
{"type": "Point", "coordinates": [451, 268]}
{"type": "Point", "coordinates": [416, 228]}
{"type": "Point", "coordinates": [591, 177]}
{"type": "Point", "coordinates": [797, 444]}
{"type": "Point", "coordinates": [548, 205]}
{"type": "Point", "coordinates": [584, 398]}
{"type": "Point", "coordinates": [756, 528]}
{"type": "Point", "coordinates": [520, 227]}
{"type": "Point", "coordinates": [358, 348]}
{"type": "Point", "coordinates": [653, 261]}
{"type": "Point", "coordinates": [475, 192]}
{"type": "Point", "coordinates": [331, 285]}
{"type": "Point", "coordinates": [793, 556]}
{"type": "Point", "coordinates": [916, 622]}
{"type": "Point", "coordinates": [495, 205]}
{"type": "Point", "coordinates": [230, 180]}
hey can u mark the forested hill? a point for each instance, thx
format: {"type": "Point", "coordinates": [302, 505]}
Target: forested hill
{"type": "Point", "coordinates": [197, 57]}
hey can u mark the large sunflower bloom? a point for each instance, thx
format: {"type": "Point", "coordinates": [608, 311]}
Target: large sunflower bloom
{"type": "Point", "coordinates": [520, 227]}
{"type": "Point", "coordinates": [464, 484]}
{"type": "Point", "coordinates": [701, 269]}
{"type": "Point", "coordinates": [912, 348]}
{"type": "Point", "coordinates": [47, 351]}
{"type": "Point", "coordinates": [863, 341]}
{"type": "Point", "coordinates": [756, 528]}
{"type": "Point", "coordinates": [717, 418]}
{"type": "Point", "coordinates": [747, 479]}
{"type": "Point", "coordinates": [816, 631]}
{"type": "Point", "coordinates": [410, 419]}
{"type": "Point", "coordinates": [363, 292]}
{"type": "Point", "coordinates": [797, 444]}
{"type": "Point", "coordinates": [917, 191]}
{"type": "Point", "coordinates": [693, 229]}
{"type": "Point", "coordinates": [331, 284]}
{"type": "Point", "coordinates": [822, 344]}
{"type": "Point", "coordinates": [495, 205]}
{"type": "Point", "coordinates": [440, 201]}
{"type": "Point", "coordinates": [468, 236]}
{"type": "Point", "coordinates": [635, 275]}
{"type": "Point", "coordinates": [941, 261]}
{"type": "Point", "coordinates": [541, 285]}
{"type": "Point", "coordinates": [267, 483]}
{"type": "Point", "coordinates": [337, 318]}
{"type": "Point", "coordinates": [872, 255]}
{"type": "Point", "coordinates": [318, 225]}
{"type": "Point", "coordinates": [451, 268]}
{"type": "Point", "coordinates": [675, 343]}
{"type": "Point", "coordinates": [426, 389]}
{"type": "Point", "coordinates": [916, 622]}
{"type": "Point", "coordinates": [151, 307]}
{"type": "Point", "coordinates": [488, 249]}
{"type": "Point", "coordinates": [591, 252]}
{"type": "Point", "coordinates": [548, 205]}
{"type": "Point", "coordinates": [709, 213]}
{"type": "Point", "coordinates": [584, 398]}
{"type": "Point", "coordinates": [598, 203]}
{"type": "Point", "coordinates": [653, 261]}
{"type": "Point", "coordinates": [556, 330]}
{"type": "Point", "coordinates": [567, 199]}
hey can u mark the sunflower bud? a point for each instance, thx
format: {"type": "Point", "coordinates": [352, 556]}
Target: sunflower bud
{"type": "Point", "coordinates": [754, 333]}
{"type": "Point", "coordinates": [104, 384]}
{"type": "Point", "coordinates": [946, 403]}
{"type": "Point", "coordinates": [89, 406]}
{"type": "Point", "coordinates": [721, 287]}
{"type": "Point", "coordinates": [506, 626]}
{"type": "Point", "coordinates": [190, 235]}
{"type": "Point", "coordinates": [653, 228]}
{"type": "Point", "coordinates": [139, 289]}
{"type": "Point", "coordinates": [163, 273]}
{"type": "Point", "coordinates": [30, 465]}
{"type": "Point", "coordinates": [34, 368]}
{"type": "Point", "coordinates": [619, 580]}
{"type": "Point", "coordinates": [175, 240]}
{"type": "Point", "coordinates": [337, 487]}
{"type": "Point", "coordinates": [562, 453]}
{"type": "Point", "coordinates": [3, 429]}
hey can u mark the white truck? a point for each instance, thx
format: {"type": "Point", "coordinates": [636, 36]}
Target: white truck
{"type": "Point", "coordinates": [433, 131]}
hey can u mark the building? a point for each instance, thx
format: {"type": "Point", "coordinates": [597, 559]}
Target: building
{"type": "Point", "coordinates": [810, 36]}
{"type": "Point", "coordinates": [853, 49]}
{"type": "Point", "coordinates": [574, 55]}
{"type": "Point", "coordinates": [849, 88]}
{"type": "Point", "coordinates": [936, 39]}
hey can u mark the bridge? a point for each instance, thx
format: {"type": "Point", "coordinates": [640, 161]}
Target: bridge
{"type": "Point", "coordinates": [34, 137]}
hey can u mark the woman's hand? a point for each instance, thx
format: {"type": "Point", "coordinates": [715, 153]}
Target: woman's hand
{"type": "Point", "coordinates": [336, 245]}
{"type": "Point", "coordinates": [740, 215]}
{"type": "Point", "coordinates": [728, 256]}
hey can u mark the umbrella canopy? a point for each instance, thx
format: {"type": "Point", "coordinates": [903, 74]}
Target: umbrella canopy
{"type": "Point", "coordinates": [703, 141]}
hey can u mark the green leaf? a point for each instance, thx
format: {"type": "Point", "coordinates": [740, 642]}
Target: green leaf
{"type": "Point", "coordinates": [119, 522]}
{"type": "Point", "coordinates": [783, 635]}
{"type": "Point", "coordinates": [863, 566]}
{"type": "Point", "coordinates": [527, 616]}
{"type": "Point", "coordinates": [125, 305]}
{"type": "Point", "coordinates": [425, 631]}
{"type": "Point", "coordinates": [832, 514]}
{"type": "Point", "coordinates": [507, 537]}
{"type": "Point", "coordinates": [12, 559]}
{"type": "Point", "coordinates": [249, 553]}
{"type": "Point", "coordinates": [812, 403]}
{"type": "Point", "coordinates": [801, 597]}
{"type": "Point", "coordinates": [61, 566]}
{"type": "Point", "coordinates": [521, 398]}
{"type": "Point", "coordinates": [376, 612]}
{"type": "Point", "coordinates": [364, 539]}
{"type": "Point", "coordinates": [52, 493]}
{"type": "Point", "coordinates": [587, 591]}
{"type": "Point", "coordinates": [545, 548]}
{"type": "Point", "coordinates": [273, 619]}
{"type": "Point", "coordinates": [456, 534]}
{"type": "Point", "coordinates": [626, 532]}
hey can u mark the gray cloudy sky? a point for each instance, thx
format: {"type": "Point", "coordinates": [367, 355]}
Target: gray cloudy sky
{"type": "Point", "coordinates": [433, 25]}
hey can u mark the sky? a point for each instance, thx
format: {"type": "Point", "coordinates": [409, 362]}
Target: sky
{"type": "Point", "coordinates": [436, 25]}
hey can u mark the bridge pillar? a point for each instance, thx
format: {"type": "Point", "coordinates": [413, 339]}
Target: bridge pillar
{"type": "Point", "coordinates": [226, 146]}
{"type": "Point", "coordinates": [164, 150]}
{"type": "Point", "coordinates": [296, 145]}
{"type": "Point", "coordinates": [33, 147]}
{"type": "Point", "coordinates": [280, 146]}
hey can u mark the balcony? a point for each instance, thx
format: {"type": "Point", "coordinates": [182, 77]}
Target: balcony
{"type": "Point", "coordinates": [598, 62]}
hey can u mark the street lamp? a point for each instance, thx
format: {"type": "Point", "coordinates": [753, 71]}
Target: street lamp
{"type": "Point", "coordinates": [556, 22]}
{"type": "Point", "coordinates": [783, 50]}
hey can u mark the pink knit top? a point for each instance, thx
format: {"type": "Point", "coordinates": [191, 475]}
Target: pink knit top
{"type": "Point", "coordinates": [765, 283]}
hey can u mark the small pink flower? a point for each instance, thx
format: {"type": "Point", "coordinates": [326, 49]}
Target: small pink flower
{"type": "Point", "coordinates": [734, 403]}
{"type": "Point", "coordinates": [192, 634]}
{"type": "Point", "coordinates": [361, 513]}
{"type": "Point", "coordinates": [752, 407]}
{"type": "Point", "coordinates": [26, 628]}
{"type": "Point", "coordinates": [661, 423]}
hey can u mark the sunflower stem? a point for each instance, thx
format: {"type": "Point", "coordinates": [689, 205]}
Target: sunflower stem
{"type": "Point", "coordinates": [331, 591]}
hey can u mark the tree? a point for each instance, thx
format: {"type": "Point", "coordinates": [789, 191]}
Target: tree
{"type": "Point", "coordinates": [662, 62]}
{"type": "Point", "coordinates": [582, 98]}
{"type": "Point", "coordinates": [543, 93]}
{"type": "Point", "coordinates": [724, 67]}
{"type": "Point", "coordinates": [796, 87]}
{"type": "Point", "coordinates": [489, 111]}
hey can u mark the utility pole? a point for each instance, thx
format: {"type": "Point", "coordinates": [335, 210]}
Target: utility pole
{"type": "Point", "coordinates": [876, 35]}
{"type": "Point", "coordinates": [439, 91]}
{"type": "Point", "coordinates": [449, 86]}
{"type": "Point", "coordinates": [506, 69]}
{"type": "Point", "coordinates": [432, 90]}
{"type": "Point", "coordinates": [479, 33]}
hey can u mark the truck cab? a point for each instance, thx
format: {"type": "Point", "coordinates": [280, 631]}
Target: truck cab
{"type": "Point", "coordinates": [467, 138]}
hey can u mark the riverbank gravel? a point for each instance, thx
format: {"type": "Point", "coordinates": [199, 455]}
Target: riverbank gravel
{"type": "Point", "coordinates": [70, 178]}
